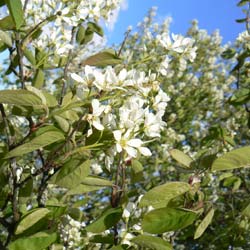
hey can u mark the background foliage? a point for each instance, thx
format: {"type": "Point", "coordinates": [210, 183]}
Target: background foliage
{"type": "Point", "coordinates": [140, 146]}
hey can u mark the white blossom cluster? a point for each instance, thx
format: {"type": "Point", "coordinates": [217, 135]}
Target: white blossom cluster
{"type": "Point", "coordinates": [57, 31]}
{"type": "Point", "coordinates": [70, 233]}
{"type": "Point", "coordinates": [135, 113]}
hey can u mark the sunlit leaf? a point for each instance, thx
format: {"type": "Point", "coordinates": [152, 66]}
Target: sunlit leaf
{"type": "Point", "coordinates": [151, 242]}
{"type": "Point", "coordinates": [164, 193]}
{"type": "Point", "coordinates": [38, 79]}
{"type": "Point", "coordinates": [20, 97]}
{"type": "Point", "coordinates": [4, 36]}
{"type": "Point", "coordinates": [72, 173]}
{"type": "Point", "coordinates": [182, 158]}
{"type": "Point", "coordinates": [204, 224]}
{"type": "Point", "coordinates": [7, 23]}
{"type": "Point", "coordinates": [238, 158]}
{"type": "Point", "coordinates": [167, 219]}
{"type": "Point", "coordinates": [102, 59]}
{"type": "Point", "coordinates": [38, 241]}
{"type": "Point", "coordinates": [30, 219]}
{"type": "Point", "coordinates": [40, 141]}
{"type": "Point", "coordinates": [108, 219]}
{"type": "Point", "coordinates": [16, 12]}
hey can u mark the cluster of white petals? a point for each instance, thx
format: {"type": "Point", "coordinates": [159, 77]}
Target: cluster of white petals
{"type": "Point", "coordinates": [134, 111]}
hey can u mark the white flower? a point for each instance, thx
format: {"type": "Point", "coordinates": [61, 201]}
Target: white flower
{"type": "Point", "coordinates": [123, 142]}
{"type": "Point", "coordinates": [153, 125]}
{"type": "Point", "coordinates": [128, 209]}
{"type": "Point", "coordinates": [94, 118]}
{"type": "Point", "coordinates": [97, 169]}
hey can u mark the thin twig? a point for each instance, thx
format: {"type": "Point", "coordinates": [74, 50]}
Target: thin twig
{"type": "Point", "coordinates": [20, 60]}
{"type": "Point", "coordinates": [123, 43]}
{"type": "Point", "coordinates": [25, 5]}
{"type": "Point", "coordinates": [66, 68]}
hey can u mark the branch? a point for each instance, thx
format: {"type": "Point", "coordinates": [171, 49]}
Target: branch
{"type": "Point", "coordinates": [20, 59]}
{"type": "Point", "coordinates": [66, 68]}
{"type": "Point", "coordinates": [123, 43]}
{"type": "Point", "coordinates": [6, 126]}
{"type": "Point", "coordinates": [25, 5]}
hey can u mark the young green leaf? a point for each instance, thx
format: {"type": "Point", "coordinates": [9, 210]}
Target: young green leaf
{"type": "Point", "coordinates": [95, 28]}
{"type": "Point", "coordinates": [108, 219]}
{"type": "Point", "coordinates": [80, 34]}
{"type": "Point", "coordinates": [182, 158]}
{"type": "Point", "coordinates": [20, 97]}
{"type": "Point", "coordinates": [72, 173]}
{"type": "Point", "coordinates": [246, 211]}
{"type": "Point", "coordinates": [7, 23]}
{"type": "Point", "coordinates": [38, 241]}
{"type": "Point", "coordinates": [151, 242]}
{"type": "Point", "coordinates": [38, 79]}
{"type": "Point", "coordinates": [30, 219]}
{"type": "Point", "coordinates": [4, 37]}
{"type": "Point", "coordinates": [16, 12]}
{"type": "Point", "coordinates": [40, 141]}
{"type": "Point", "coordinates": [204, 224]}
{"type": "Point", "coordinates": [164, 193]}
{"type": "Point", "coordinates": [167, 219]}
{"type": "Point", "coordinates": [102, 59]}
{"type": "Point", "coordinates": [238, 158]}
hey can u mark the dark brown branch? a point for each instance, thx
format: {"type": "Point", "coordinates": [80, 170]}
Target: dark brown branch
{"type": "Point", "coordinates": [66, 68]}
{"type": "Point", "coordinates": [25, 5]}
{"type": "Point", "coordinates": [117, 191]}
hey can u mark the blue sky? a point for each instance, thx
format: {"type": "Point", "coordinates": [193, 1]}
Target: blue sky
{"type": "Point", "coordinates": [211, 14]}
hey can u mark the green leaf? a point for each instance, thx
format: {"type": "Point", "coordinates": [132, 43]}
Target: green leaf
{"type": "Point", "coordinates": [104, 239]}
{"type": "Point", "coordinates": [103, 59]}
{"type": "Point", "coordinates": [242, 3]}
{"type": "Point", "coordinates": [167, 219]}
{"type": "Point", "coordinates": [7, 23]}
{"type": "Point", "coordinates": [20, 97]}
{"type": "Point", "coordinates": [152, 242]}
{"type": "Point", "coordinates": [16, 12]}
{"type": "Point", "coordinates": [72, 173]}
{"type": "Point", "coordinates": [40, 141]}
{"type": "Point", "coordinates": [238, 158]}
{"type": "Point", "coordinates": [29, 55]}
{"type": "Point", "coordinates": [90, 183]}
{"type": "Point", "coordinates": [63, 123]}
{"type": "Point", "coordinates": [80, 34]}
{"type": "Point", "coordinates": [246, 211]}
{"type": "Point", "coordinates": [26, 189]}
{"type": "Point", "coordinates": [39, 241]}
{"type": "Point", "coordinates": [162, 194]}
{"type": "Point", "coordinates": [2, 3]}
{"type": "Point", "coordinates": [182, 158]}
{"type": "Point", "coordinates": [107, 220]}
{"type": "Point", "coordinates": [136, 166]}
{"type": "Point", "coordinates": [204, 224]}
{"type": "Point", "coordinates": [97, 181]}
{"type": "Point", "coordinates": [4, 36]}
{"type": "Point", "coordinates": [95, 28]}
{"type": "Point", "coordinates": [83, 188]}
{"type": "Point", "coordinates": [50, 99]}
{"type": "Point", "coordinates": [228, 54]}
{"type": "Point", "coordinates": [38, 79]}
{"type": "Point", "coordinates": [31, 218]}
{"type": "Point", "coordinates": [240, 96]}
{"type": "Point", "coordinates": [241, 20]}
